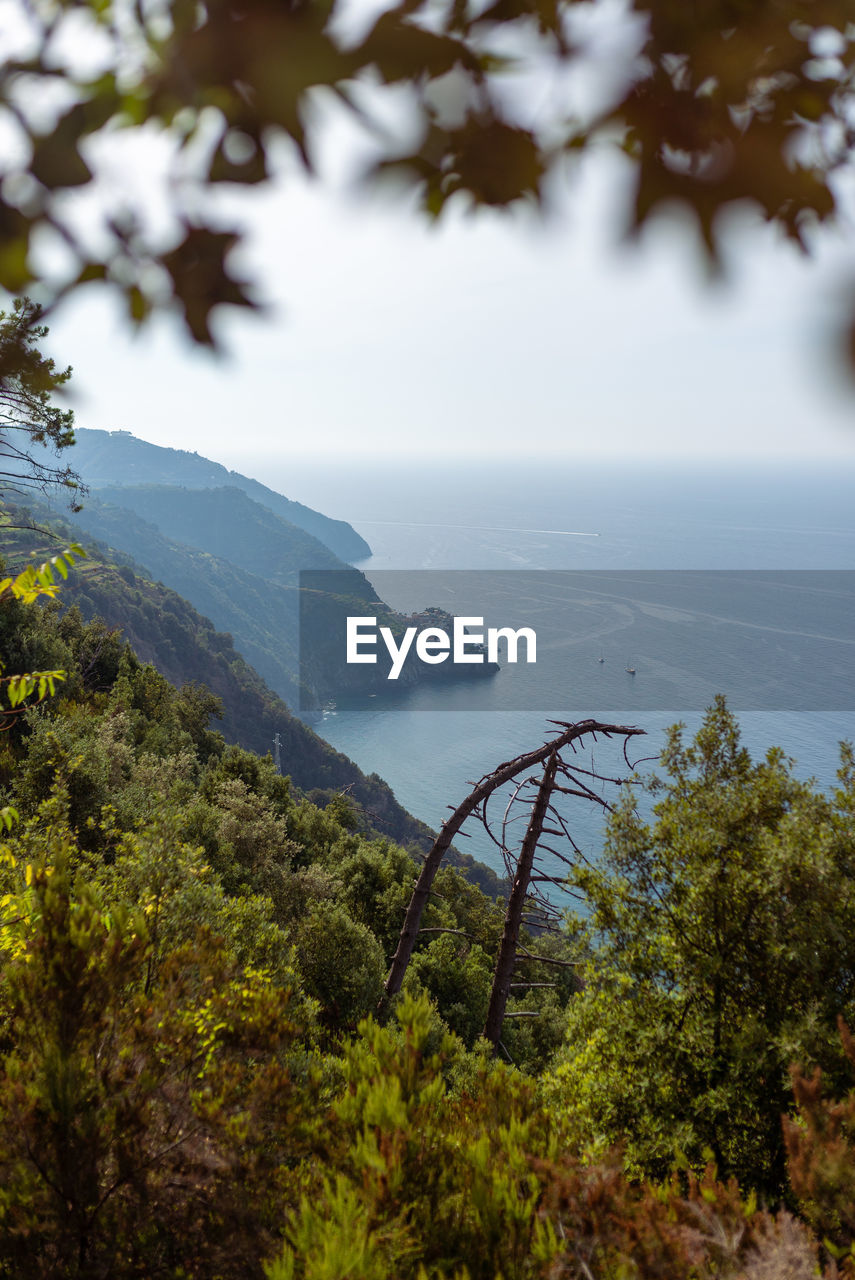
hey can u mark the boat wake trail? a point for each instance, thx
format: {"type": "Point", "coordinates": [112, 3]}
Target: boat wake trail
{"type": "Point", "coordinates": [480, 528]}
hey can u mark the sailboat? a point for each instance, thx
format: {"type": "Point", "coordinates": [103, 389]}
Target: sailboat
{"type": "Point", "coordinates": [601, 657]}
{"type": "Point", "coordinates": [630, 669]}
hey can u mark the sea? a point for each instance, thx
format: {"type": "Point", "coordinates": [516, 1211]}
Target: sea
{"type": "Point", "coordinates": [531, 514]}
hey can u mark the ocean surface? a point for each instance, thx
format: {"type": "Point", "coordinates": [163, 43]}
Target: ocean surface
{"type": "Point", "coordinates": [548, 515]}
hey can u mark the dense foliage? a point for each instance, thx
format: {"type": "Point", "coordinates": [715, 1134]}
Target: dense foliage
{"type": "Point", "coordinates": [121, 748]}
{"type": "Point", "coordinates": [199, 1077]}
{"type": "Point", "coordinates": [720, 949]}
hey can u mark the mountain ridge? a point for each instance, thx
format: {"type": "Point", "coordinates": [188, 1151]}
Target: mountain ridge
{"type": "Point", "coordinates": [105, 458]}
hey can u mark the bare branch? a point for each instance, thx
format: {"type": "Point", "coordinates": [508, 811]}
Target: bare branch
{"type": "Point", "coordinates": [475, 802]}
{"type": "Point", "coordinates": [564, 964]}
{"type": "Point", "coordinates": [506, 959]}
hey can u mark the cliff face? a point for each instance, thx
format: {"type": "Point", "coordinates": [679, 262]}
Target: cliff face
{"type": "Point", "coordinates": [106, 458]}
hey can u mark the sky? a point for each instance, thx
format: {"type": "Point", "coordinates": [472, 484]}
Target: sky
{"type": "Point", "coordinates": [490, 334]}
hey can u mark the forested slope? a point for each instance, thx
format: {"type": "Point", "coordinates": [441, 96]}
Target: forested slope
{"type": "Point", "coordinates": [200, 1077]}
{"type": "Point", "coordinates": [165, 630]}
{"type": "Point", "coordinates": [209, 544]}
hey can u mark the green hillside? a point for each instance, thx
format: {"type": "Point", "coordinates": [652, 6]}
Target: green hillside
{"type": "Point", "coordinates": [204, 1077]}
{"type": "Point", "coordinates": [208, 544]}
{"type": "Point", "coordinates": [238, 602]}
{"type": "Point", "coordinates": [165, 630]}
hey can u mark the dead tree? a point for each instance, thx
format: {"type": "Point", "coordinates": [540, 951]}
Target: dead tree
{"type": "Point", "coordinates": [507, 957]}
{"type": "Point", "coordinates": [476, 802]}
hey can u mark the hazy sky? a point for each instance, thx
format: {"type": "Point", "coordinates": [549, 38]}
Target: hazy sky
{"type": "Point", "coordinates": [489, 334]}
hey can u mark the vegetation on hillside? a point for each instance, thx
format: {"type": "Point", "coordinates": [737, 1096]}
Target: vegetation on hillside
{"type": "Point", "coordinates": [199, 1077]}
{"type": "Point", "coordinates": [262, 620]}
{"type": "Point", "coordinates": [166, 631]}
{"type": "Point", "coordinates": [202, 1078]}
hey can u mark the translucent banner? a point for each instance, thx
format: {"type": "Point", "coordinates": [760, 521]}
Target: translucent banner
{"type": "Point", "coordinates": [578, 642]}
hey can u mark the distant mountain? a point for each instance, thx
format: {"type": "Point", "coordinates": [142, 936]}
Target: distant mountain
{"type": "Point", "coordinates": [107, 458]}
{"type": "Point", "coordinates": [225, 522]}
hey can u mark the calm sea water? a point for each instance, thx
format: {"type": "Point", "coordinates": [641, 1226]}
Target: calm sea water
{"type": "Point", "coordinates": [556, 515]}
